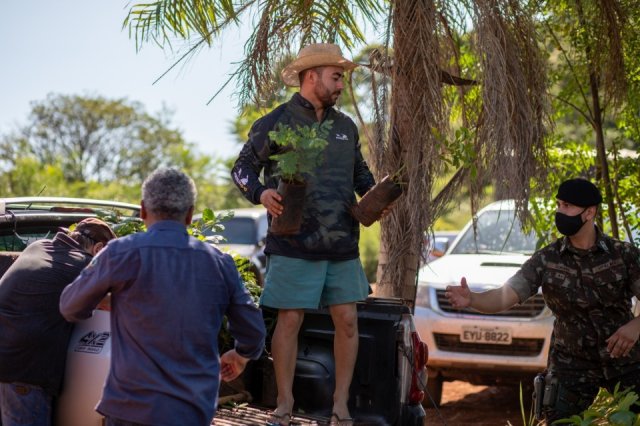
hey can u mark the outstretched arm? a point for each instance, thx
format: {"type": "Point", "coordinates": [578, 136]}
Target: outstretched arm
{"type": "Point", "coordinates": [491, 301]}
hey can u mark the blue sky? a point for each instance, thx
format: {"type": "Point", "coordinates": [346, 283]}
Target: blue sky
{"type": "Point", "coordinates": [76, 47]}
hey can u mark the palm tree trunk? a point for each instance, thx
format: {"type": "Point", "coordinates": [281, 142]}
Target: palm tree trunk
{"type": "Point", "coordinates": [416, 110]}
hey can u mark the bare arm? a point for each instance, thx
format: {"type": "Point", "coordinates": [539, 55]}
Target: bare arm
{"type": "Point", "coordinates": [490, 301]}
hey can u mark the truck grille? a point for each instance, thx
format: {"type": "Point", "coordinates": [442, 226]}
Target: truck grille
{"type": "Point", "coordinates": [531, 308]}
{"type": "Point", "coordinates": [518, 347]}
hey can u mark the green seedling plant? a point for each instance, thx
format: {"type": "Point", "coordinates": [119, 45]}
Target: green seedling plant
{"type": "Point", "coordinates": [303, 148]}
{"type": "Point", "coordinates": [608, 409]}
{"type": "Point", "coordinates": [527, 419]}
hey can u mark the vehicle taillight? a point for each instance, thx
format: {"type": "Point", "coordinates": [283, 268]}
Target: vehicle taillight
{"type": "Point", "coordinates": [105, 304]}
{"type": "Point", "coordinates": [418, 375]}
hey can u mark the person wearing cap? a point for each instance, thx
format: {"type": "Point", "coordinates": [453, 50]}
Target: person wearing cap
{"type": "Point", "coordinates": [320, 266]}
{"type": "Point", "coordinates": [169, 295]}
{"type": "Point", "coordinates": [588, 280]}
{"type": "Point", "coordinates": [33, 334]}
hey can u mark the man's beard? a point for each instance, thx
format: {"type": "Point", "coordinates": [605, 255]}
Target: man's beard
{"type": "Point", "coordinates": [326, 97]}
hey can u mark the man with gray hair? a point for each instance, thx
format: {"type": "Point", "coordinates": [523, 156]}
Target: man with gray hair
{"type": "Point", "coordinates": [169, 293]}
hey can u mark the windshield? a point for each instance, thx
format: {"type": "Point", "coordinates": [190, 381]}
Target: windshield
{"type": "Point", "coordinates": [498, 233]}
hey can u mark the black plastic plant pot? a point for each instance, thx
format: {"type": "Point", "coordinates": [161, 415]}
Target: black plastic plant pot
{"type": "Point", "coordinates": [371, 206]}
{"type": "Point", "coordinates": [290, 221]}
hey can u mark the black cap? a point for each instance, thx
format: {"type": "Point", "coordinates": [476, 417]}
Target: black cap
{"type": "Point", "coordinates": [579, 192]}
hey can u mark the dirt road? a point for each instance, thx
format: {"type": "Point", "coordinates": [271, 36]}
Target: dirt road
{"type": "Point", "coordinates": [468, 405]}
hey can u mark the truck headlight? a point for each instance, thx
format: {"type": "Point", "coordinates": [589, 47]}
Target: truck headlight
{"type": "Point", "coordinates": [423, 299]}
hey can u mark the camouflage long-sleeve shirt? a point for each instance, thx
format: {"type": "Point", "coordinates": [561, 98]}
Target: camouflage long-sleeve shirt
{"type": "Point", "coordinates": [590, 292]}
{"type": "Point", "coordinates": [328, 232]}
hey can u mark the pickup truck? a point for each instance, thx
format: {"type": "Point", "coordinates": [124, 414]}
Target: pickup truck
{"type": "Point", "coordinates": [389, 378]}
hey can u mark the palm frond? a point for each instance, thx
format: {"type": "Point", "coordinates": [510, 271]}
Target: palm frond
{"type": "Point", "coordinates": [165, 20]}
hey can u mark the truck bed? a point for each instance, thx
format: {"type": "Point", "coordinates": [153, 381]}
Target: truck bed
{"type": "Point", "coordinates": [257, 416]}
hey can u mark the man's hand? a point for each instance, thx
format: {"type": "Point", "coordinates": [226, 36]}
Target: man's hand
{"type": "Point", "coordinates": [270, 199]}
{"type": "Point", "coordinates": [387, 210]}
{"type": "Point", "coordinates": [231, 365]}
{"type": "Point", "coordinates": [459, 296]}
{"type": "Point", "coordinates": [624, 339]}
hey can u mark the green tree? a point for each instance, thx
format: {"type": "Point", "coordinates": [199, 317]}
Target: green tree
{"type": "Point", "coordinates": [100, 148]}
{"type": "Point", "coordinates": [596, 82]}
{"type": "Point", "coordinates": [97, 138]}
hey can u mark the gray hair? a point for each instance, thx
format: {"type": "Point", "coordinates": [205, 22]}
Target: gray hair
{"type": "Point", "coordinates": [168, 193]}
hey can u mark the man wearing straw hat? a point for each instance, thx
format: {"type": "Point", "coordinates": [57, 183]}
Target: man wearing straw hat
{"type": "Point", "coordinates": [320, 265]}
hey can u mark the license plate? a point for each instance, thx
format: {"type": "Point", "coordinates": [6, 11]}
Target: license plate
{"type": "Point", "coordinates": [495, 335]}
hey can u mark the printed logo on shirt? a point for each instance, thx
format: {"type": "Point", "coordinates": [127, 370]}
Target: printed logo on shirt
{"type": "Point", "coordinates": [92, 342]}
{"type": "Point", "coordinates": [240, 180]}
{"type": "Point", "coordinates": [341, 137]}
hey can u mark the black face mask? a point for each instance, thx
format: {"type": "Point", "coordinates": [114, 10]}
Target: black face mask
{"type": "Point", "coordinates": [569, 225]}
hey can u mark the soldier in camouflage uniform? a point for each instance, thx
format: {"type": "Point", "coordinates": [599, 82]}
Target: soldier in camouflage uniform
{"type": "Point", "coordinates": [587, 280]}
{"type": "Point", "coordinates": [320, 265]}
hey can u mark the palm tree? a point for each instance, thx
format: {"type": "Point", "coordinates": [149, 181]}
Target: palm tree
{"type": "Point", "coordinates": [500, 123]}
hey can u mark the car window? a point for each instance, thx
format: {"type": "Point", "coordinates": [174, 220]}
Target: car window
{"type": "Point", "coordinates": [238, 230]}
{"type": "Point", "coordinates": [497, 232]}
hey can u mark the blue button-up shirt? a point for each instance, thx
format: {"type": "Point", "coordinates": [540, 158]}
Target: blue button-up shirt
{"type": "Point", "coordinates": [169, 293]}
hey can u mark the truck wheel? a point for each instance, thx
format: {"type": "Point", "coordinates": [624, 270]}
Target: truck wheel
{"type": "Point", "coordinates": [433, 394]}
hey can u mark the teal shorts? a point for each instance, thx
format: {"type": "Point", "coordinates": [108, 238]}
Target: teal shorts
{"type": "Point", "coordinates": [292, 283]}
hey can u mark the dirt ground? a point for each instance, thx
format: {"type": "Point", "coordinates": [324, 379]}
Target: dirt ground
{"type": "Point", "coordinates": [465, 404]}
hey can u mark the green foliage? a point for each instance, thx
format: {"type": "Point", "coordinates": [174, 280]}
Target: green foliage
{"type": "Point", "coordinates": [530, 418]}
{"type": "Point", "coordinates": [303, 149]}
{"type": "Point", "coordinates": [369, 246]}
{"type": "Point", "coordinates": [458, 152]}
{"type": "Point", "coordinates": [588, 68]}
{"type": "Point", "coordinates": [96, 138]}
{"type": "Point", "coordinates": [93, 147]}
{"type": "Point", "coordinates": [608, 409]}
{"type": "Point", "coordinates": [578, 160]}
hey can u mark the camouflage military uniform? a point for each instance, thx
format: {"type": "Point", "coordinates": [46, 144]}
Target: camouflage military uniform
{"type": "Point", "coordinates": [328, 232]}
{"type": "Point", "coordinates": [590, 292]}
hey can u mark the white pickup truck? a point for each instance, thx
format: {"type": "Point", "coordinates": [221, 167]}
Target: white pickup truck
{"type": "Point", "coordinates": [511, 346]}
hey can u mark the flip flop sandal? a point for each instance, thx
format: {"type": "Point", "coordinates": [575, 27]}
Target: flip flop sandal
{"type": "Point", "coordinates": [279, 419]}
{"type": "Point", "coordinates": [340, 421]}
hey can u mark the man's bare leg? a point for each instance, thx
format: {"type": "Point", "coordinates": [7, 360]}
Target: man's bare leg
{"type": "Point", "coordinates": [345, 351]}
{"type": "Point", "coordinates": [284, 347]}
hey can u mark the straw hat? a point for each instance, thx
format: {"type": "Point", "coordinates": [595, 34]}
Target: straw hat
{"type": "Point", "coordinates": [315, 55]}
